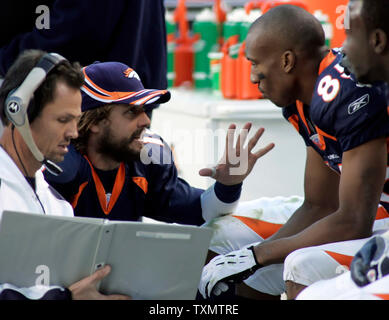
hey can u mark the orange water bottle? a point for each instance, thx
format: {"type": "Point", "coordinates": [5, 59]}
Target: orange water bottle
{"type": "Point", "coordinates": [184, 53]}
{"type": "Point", "coordinates": [229, 68]}
{"type": "Point", "coordinates": [245, 88]}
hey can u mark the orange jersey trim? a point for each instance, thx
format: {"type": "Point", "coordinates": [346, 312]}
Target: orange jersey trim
{"type": "Point", "coordinates": [322, 133]}
{"type": "Point", "coordinates": [294, 120]}
{"type": "Point", "coordinates": [328, 59]}
{"type": "Point", "coordinates": [142, 183]}
{"type": "Point", "coordinates": [300, 109]}
{"type": "Point", "coordinates": [78, 194]}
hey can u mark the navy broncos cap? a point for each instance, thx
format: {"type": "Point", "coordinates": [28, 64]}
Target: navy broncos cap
{"type": "Point", "coordinates": [115, 82]}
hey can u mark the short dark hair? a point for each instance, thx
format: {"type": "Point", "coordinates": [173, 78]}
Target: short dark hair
{"type": "Point", "coordinates": [375, 13]}
{"type": "Point", "coordinates": [294, 26]}
{"type": "Point", "coordinates": [65, 71]}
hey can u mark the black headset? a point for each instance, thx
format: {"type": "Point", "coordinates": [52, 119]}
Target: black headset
{"type": "Point", "coordinates": [19, 101]}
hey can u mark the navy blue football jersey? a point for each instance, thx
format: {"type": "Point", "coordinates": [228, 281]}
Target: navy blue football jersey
{"type": "Point", "coordinates": [149, 187]}
{"type": "Point", "coordinates": [343, 115]}
{"type": "Point", "coordinates": [139, 189]}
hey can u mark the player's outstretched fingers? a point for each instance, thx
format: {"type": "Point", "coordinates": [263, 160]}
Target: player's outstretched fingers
{"type": "Point", "coordinates": [244, 132]}
{"type": "Point", "coordinates": [261, 152]}
{"type": "Point", "coordinates": [254, 140]}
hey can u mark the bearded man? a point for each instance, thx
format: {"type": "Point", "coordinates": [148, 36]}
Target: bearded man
{"type": "Point", "coordinates": [119, 170]}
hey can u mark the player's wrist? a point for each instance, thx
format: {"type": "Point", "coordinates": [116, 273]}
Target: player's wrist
{"type": "Point", "coordinates": [258, 265]}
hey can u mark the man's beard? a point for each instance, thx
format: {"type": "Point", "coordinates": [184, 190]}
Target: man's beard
{"type": "Point", "coordinates": [119, 151]}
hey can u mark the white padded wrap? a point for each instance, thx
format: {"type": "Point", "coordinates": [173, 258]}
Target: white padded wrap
{"type": "Point", "coordinates": [212, 207]}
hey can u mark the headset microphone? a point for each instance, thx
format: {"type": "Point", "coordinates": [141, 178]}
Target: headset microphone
{"type": "Point", "coordinates": [18, 100]}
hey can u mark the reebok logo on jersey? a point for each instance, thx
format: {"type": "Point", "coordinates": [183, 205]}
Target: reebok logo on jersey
{"type": "Point", "coordinates": [358, 104]}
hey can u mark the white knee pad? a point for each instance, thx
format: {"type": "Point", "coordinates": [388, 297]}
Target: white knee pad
{"type": "Point", "coordinates": [308, 265]}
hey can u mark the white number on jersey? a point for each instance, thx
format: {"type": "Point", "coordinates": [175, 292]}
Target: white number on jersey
{"type": "Point", "coordinates": [328, 88]}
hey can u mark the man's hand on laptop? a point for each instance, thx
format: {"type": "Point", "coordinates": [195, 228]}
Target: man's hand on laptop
{"type": "Point", "coordinates": [233, 267]}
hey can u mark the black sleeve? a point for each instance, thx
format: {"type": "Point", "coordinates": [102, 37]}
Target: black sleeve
{"type": "Point", "coordinates": [129, 31]}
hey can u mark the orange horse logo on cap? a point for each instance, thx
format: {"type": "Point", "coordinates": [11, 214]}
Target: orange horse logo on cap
{"type": "Point", "coordinates": [131, 73]}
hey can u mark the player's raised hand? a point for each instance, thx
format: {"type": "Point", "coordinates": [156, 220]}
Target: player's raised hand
{"type": "Point", "coordinates": [237, 161]}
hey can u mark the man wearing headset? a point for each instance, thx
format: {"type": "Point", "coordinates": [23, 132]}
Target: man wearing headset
{"type": "Point", "coordinates": [53, 115]}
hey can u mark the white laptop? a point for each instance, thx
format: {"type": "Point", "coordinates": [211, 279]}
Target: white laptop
{"type": "Point", "coordinates": [149, 261]}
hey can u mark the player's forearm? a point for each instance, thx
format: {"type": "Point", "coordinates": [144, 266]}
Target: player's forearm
{"type": "Point", "coordinates": [303, 217]}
